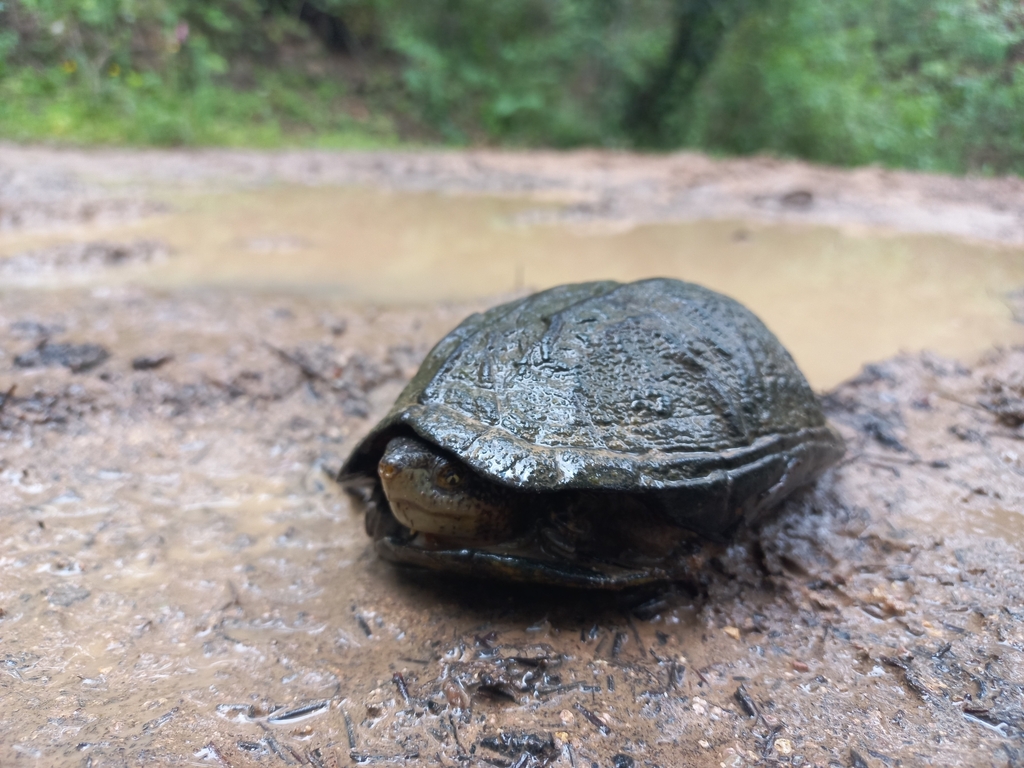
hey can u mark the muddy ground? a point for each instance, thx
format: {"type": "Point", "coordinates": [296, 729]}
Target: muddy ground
{"type": "Point", "coordinates": [50, 187]}
{"type": "Point", "coordinates": [182, 583]}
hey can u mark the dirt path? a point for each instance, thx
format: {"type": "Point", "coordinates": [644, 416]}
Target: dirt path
{"type": "Point", "coordinates": [42, 186]}
{"type": "Point", "coordinates": [182, 583]}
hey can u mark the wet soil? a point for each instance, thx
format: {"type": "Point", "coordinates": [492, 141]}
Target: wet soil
{"type": "Point", "coordinates": [835, 296]}
{"type": "Point", "coordinates": [52, 187]}
{"type": "Point", "coordinates": [182, 582]}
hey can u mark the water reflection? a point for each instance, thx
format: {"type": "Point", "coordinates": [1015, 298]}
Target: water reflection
{"type": "Point", "coordinates": [836, 298]}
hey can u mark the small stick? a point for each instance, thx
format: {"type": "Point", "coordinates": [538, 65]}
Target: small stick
{"type": "Point", "coordinates": [306, 369]}
{"type": "Point", "coordinates": [7, 396]}
{"type": "Point", "coordinates": [217, 754]}
{"type": "Point", "coordinates": [455, 733]}
{"type": "Point", "coordinates": [271, 742]}
{"type": "Point", "coordinates": [594, 720]}
{"type": "Point", "coordinates": [769, 742]}
{"type": "Point", "coordinates": [746, 702]}
{"type": "Point", "coordinates": [349, 730]}
{"type": "Point", "coordinates": [620, 640]}
{"type": "Point", "coordinates": [403, 689]}
{"type": "Point", "coordinates": [299, 712]}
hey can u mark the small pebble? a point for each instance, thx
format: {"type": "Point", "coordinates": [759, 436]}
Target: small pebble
{"type": "Point", "coordinates": [800, 666]}
{"type": "Point", "coordinates": [732, 632]}
{"type": "Point", "coordinates": [784, 747]}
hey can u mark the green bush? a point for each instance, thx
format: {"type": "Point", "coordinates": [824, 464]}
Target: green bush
{"type": "Point", "coordinates": [930, 84]}
{"type": "Point", "coordinates": [169, 72]}
{"type": "Point", "coordinates": [527, 71]}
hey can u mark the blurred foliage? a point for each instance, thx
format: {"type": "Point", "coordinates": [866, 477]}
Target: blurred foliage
{"type": "Point", "coordinates": [528, 71]}
{"type": "Point", "coordinates": [698, 27]}
{"type": "Point", "coordinates": [173, 72]}
{"type": "Point", "coordinates": [932, 84]}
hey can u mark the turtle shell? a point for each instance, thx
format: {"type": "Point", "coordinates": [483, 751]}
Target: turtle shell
{"type": "Point", "coordinates": [656, 387]}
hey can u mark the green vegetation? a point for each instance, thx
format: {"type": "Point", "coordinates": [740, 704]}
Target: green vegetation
{"type": "Point", "coordinates": [932, 84]}
{"type": "Point", "coordinates": [172, 72]}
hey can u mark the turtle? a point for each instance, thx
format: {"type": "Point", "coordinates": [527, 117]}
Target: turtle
{"type": "Point", "coordinates": [595, 434]}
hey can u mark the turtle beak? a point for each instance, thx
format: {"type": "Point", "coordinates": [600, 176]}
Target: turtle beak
{"type": "Point", "coordinates": [387, 470]}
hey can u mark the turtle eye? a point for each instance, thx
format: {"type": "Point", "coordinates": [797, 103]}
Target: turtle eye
{"type": "Point", "coordinates": [449, 477]}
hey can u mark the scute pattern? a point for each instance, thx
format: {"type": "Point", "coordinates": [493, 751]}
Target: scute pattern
{"type": "Point", "coordinates": [649, 385]}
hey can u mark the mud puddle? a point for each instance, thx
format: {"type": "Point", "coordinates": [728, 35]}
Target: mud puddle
{"type": "Point", "coordinates": [837, 298]}
{"type": "Point", "coordinates": [182, 583]}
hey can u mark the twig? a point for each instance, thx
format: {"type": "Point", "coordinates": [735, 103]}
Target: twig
{"type": "Point", "coordinates": [953, 398]}
{"type": "Point", "coordinates": [7, 396]}
{"type": "Point", "coordinates": [299, 712]}
{"type": "Point", "coordinates": [403, 689]}
{"type": "Point", "coordinates": [746, 702]}
{"type": "Point", "coordinates": [350, 731]}
{"type": "Point", "coordinates": [217, 754]}
{"type": "Point", "coordinates": [455, 733]}
{"type": "Point", "coordinates": [594, 720]}
{"type": "Point", "coordinates": [307, 370]}
{"type": "Point", "coordinates": [769, 742]}
{"type": "Point", "coordinates": [620, 640]}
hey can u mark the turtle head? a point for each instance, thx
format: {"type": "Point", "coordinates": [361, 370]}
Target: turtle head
{"type": "Point", "coordinates": [458, 520]}
{"type": "Point", "coordinates": [433, 494]}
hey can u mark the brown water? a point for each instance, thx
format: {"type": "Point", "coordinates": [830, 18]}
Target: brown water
{"type": "Point", "coordinates": [836, 298]}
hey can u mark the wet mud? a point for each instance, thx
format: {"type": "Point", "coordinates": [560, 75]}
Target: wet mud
{"type": "Point", "coordinates": [183, 583]}
{"type": "Point", "coordinates": [53, 187]}
{"type": "Point", "coordinates": [835, 298]}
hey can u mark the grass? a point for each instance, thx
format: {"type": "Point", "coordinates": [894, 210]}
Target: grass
{"type": "Point", "coordinates": [58, 105]}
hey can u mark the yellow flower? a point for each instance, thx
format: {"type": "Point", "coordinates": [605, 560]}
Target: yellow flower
{"type": "Point", "coordinates": [69, 66]}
